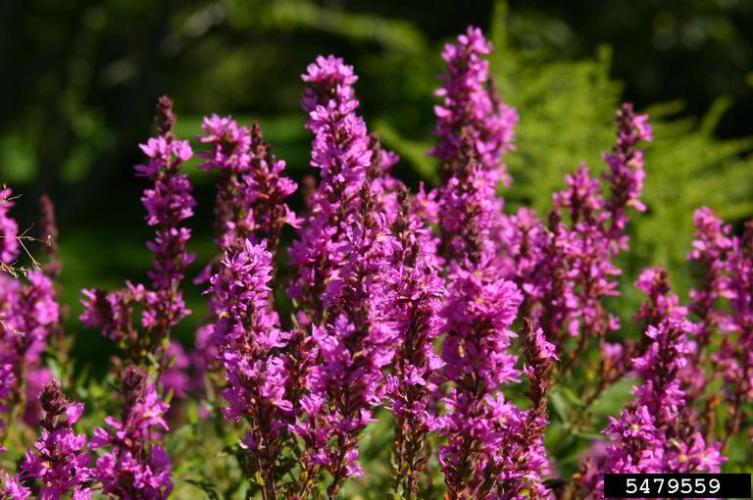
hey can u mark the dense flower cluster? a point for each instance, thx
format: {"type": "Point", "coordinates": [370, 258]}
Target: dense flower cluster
{"type": "Point", "coordinates": [343, 259]}
{"type": "Point", "coordinates": [133, 464]}
{"type": "Point", "coordinates": [249, 335]}
{"type": "Point", "coordinates": [471, 110]}
{"type": "Point", "coordinates": [252, 190]}
{"type": "Point", "coordinates": [658, 431]}
{"type": "Point", "coordinates": [11, 488]}
{"type": "Point", "coordinates": [412, 385]}
{"type": "Point", "coordinates": [466, 323]}
{"type": "Point", "coordinates": [728, 264]}
{"type": "Point", "coordinates": [29, 311]}
{"type": "Point", "coordinates": [474, 129]}
{"type": "Point", "coordinates": [250, 203]}
{"type": "Point", "coordinates": [60, 460]}
{"type": "Point", "coordinates": [168, 204]}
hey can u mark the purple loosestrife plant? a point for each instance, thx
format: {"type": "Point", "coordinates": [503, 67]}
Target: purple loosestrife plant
{"type": "Point", "coordinates": [472, 110]}
{"type": "Point", "coordinates": [723, 303]}
{"type": "Point", "coordinates": [657, 432]}
{"type": "Point", "coordinates": [252, 191]}
{"type": "Point", "coordinates": [711, 248]}
{"type": "Point", "coordinates": [474, 129]}
{"type": "Point", "coordinates": [479, 311]}
{"type": "Point", "coordinates": [566, 269]}
{"type": "Point", "coordinates": [249, 347]}
{"type": "Point", "coordinates": [133, 464]}
{"type": "Point", "coordinates": [626, 174]}
{"type": "Point", "coordinates": [60, 459]}
{"type": "Point", "coordinates": [400, 301]}
{"type": "Point", "coordinates": [28, 311]}
{"type": "Point", "coordinates": [250, 202]}
{"type": "Point", "coordinates": [482, 429]}
{"type": "Point", "coordinates": [341, 153]}
{"type": "Point", "coordinates": [168, 203]}
{"type": "Point", "coordinates": [343, 261]}
{"type": "Point", "coordinates": [734, 359]}
{"type": "Point", "coordinates": [410, 388]}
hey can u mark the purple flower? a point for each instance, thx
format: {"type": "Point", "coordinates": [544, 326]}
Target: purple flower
{"type": "Point", "coordinates": [472, 112]}
{"type": "Point", "coordinates": [340, 151]}
{"type": "Point", "coordinates": [661, 303]}
{"type": "Point", "coordinates": [474, 129]}
{"type": "Point", "coordinates": [112, 312]}
{"type": "Point", "coordinates": [9, 247]}
{"type": "Point", "coordinates": [626, 174]}
{"type": "Point", "coordinates": [346, 334]}
{"type": "Point", "coordinates": [734, 359]}
{"type": "Point", "coordinates": [566, 268]}
{"type": "Point", "coordinates": [252, 191]}
{"type": "Point", "coordinates": [711, 250]}
{"type": "Point", "coordinates": [249, 338]}
{"type": "Point", "coordinates": [11, 488]}
{"type": "Point", "coordinates": [229, 145]}
{"type": "Point", "coordinates": [412, 385]}
{"type": "Point", "coordinates": [168, 204]}
{"type": "Point", "coordinates": [133, 465]}
{"type": "Point", "coordinates": [487, 436]}
{"type": "Point", "coordinates": [657, 431]}
{"type": "Point", "coordinates": [29, 312]}
{"type": "Point", "coordinates": [586, 253]}
{"type": "Point", "coordinates": [480, 310]}
{"type": "Point", "coordinates": [60, 460]}
{"type": "Point", "coordinates": [250, 205]}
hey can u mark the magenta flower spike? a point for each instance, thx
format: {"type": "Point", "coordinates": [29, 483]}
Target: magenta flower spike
{"type": "Point", "coordinates": [28, 312]}
{"type": "Point", "coordinates": [412, 385]}
{"type": "Point", "coordinates": [626, 174]}
{"type": "Point", "coordinates": [343, 260]}
{"type": "Point", "coordinates": [250, 209]}
{"type": "Point", "coordinates": [249, 342]}
{"type": "Point", "coordinates": [472, 110]}
{"type": "Point", "coordinates": [133, 464]}
{"type": "Point", "coordinates": [474, 128]}
{"type": "Point", "coordinates": [252, 191]}
{"type": "Point", "coordinates": [657, 431]}
{"type": "Point", "coordinates": [711, 249]}
{"type": "Point", "coordinates": [60, 460]}
{"type": "Point", "coordinates": [734, 359]}
{"type": "Point", "coordinates": [168, 204]}
{"type": "Point", "coordinates": [341, 153]}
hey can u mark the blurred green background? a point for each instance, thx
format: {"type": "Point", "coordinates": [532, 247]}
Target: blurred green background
{"type": "Point", "coordinates": [80, 79]}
